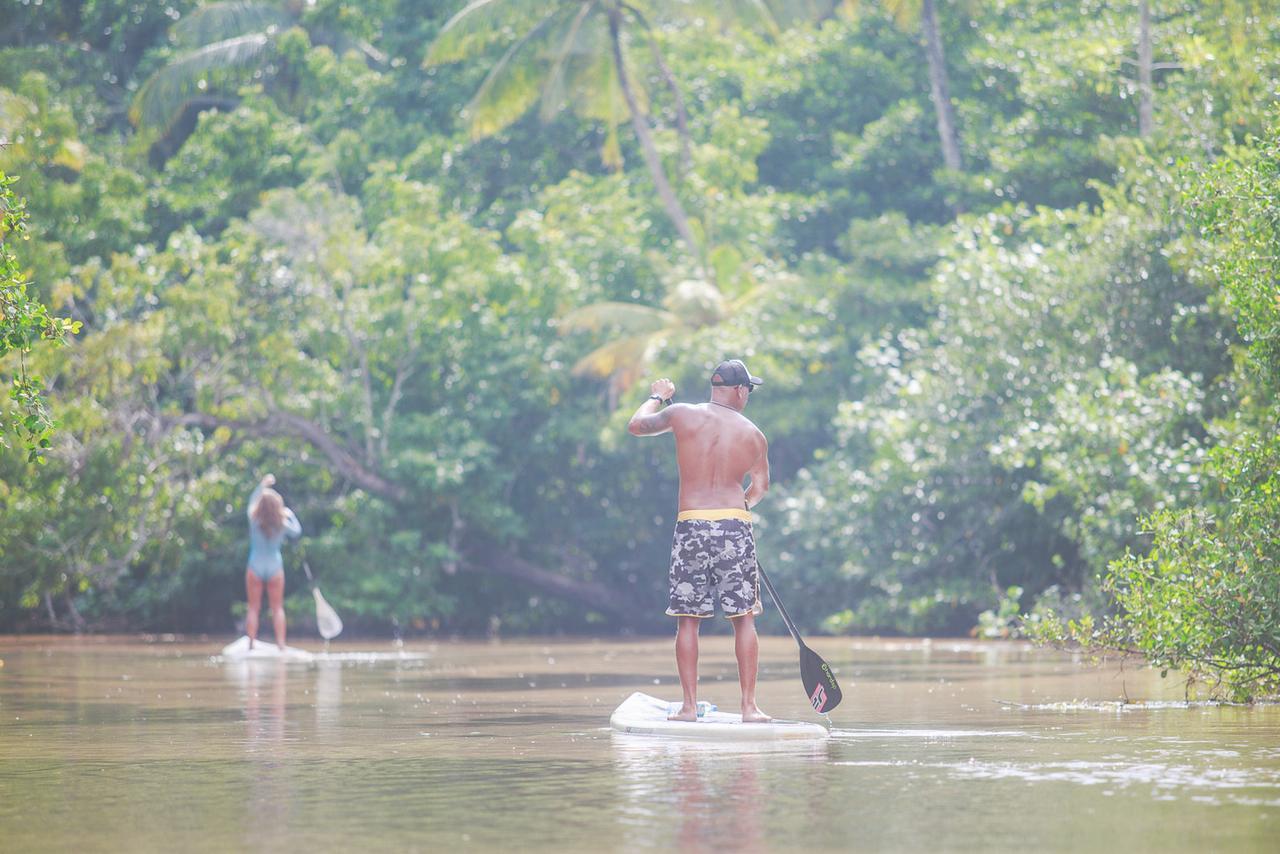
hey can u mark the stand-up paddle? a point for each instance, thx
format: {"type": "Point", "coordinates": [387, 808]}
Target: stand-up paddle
{"type": "Point", "coordinates": [327, 619]}
{"type": "Point", "coordinates": [819, 682]}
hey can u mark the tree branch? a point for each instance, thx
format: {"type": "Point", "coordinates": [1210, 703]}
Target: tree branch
{"type": "Point", "coordinates": [481, 556]}
{"type": "Point", "coordinates": [405, 369]}
{"type": "Point", "coordinates": [286, 424]}
{"type": "Point", "coordinates": [615, 603]}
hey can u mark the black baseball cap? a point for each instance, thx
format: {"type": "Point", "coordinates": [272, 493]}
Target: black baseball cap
{"type": "Point", "coordinates": [733, 372]}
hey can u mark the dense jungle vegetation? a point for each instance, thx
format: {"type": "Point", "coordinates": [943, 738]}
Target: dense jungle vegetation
{"type": "Point", "coordinates": [1009, 270]}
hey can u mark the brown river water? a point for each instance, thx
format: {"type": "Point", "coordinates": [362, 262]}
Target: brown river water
{"type": "Point", "coordinates": [117, 744]}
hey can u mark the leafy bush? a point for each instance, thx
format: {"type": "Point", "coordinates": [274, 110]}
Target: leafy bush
{"type": "Point", "coordinates": [23, 322]}
{"type": "Point", "coordinates": [1206, 598]}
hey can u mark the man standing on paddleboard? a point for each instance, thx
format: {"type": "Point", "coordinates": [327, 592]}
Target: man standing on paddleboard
{"type": "Point", "coordinates": [713, 555]}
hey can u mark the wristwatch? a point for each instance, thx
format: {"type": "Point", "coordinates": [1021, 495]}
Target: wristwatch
{"type": "Point", "coordinates": [659, 398]}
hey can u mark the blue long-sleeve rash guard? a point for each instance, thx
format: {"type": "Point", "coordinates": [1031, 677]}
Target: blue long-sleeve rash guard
{"type": "Point", "coordinates": [265, 560]}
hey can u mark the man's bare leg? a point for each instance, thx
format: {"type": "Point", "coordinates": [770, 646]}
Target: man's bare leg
{"type": "Point", "coordinates": [746, 645]}
{"type": "Point", "coordinates": [687, 666]}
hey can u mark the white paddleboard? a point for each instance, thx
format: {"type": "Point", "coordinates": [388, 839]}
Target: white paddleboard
{"type": "Point", "coordinates": [645, 715]}
{"type": "Point", "coordinates": [239, 650]}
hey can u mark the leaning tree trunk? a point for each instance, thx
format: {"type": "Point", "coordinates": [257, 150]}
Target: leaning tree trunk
{"type": "Point", "coordinates": [682, 115]}
{"type": "Point", "coordinates": [939, 88]}
{"type": "Point", "coordinates": [641, 125]}
{"type": "Point", "coordinates": [1146, 111]}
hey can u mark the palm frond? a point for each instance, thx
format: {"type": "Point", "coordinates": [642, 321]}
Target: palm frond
{"type": "Point", "coordinates": [161, 99]}
{"type": "Point", "coordinates": [593, 79]}
{"type": "Point", "coordinates": [554, 91]}
{"type": "Point", "coordinates": [611, 149]}
{"type": "Point", "coordinates": [514, 83]}
{"type": "Point", "coordinates": [755, 15]}
{"type": "Point", "coordinates": [696, 302]}
{"type": "Point", "coordinates": [620, 356]}
{"type": "Point", "coordinates": [788, 13]}
{"type": "Point", "coordinates": [905, 13]}
{"type": "Point", "coordinates": [343, 43]}
{"type": "Point", "coordinates": [629, 316]}
{"type": "Point", "coordinates": [482, 22]}
{"type": "Point", "coordinates": [746, 298]}
{"type": "Point", "coordinates": [218, 22]}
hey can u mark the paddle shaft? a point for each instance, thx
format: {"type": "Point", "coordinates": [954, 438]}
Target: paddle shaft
{"type": "Point", "coordinates": [819, 681]}
{"type": "Point", "coordinates": [782, 609]}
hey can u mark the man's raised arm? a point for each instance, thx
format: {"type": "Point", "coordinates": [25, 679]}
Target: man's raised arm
{"type": "Point", "coordinates": [651, 418]}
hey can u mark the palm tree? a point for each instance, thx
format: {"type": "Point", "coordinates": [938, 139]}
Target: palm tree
{"type": "Point", "coordinates": [573, 53]}
{"type": "Point", "coordinates": [691, 305]}
{"type": "Point", "coordinates": [908, 15]}
{"type": "Point", "coordinates": [1146, 110]}
{"type": "Point", "coordinates": [939, 85]}
{"type": "Point", "coordinates": [1146, 64]}
{"type": "Point", "coordinates": [218, 40]}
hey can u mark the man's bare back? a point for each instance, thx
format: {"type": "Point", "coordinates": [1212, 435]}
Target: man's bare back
{"type": "Point", "coordinates": [716, 448]}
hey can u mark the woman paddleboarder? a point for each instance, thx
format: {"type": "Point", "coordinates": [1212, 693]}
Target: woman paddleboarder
{"type": "Point", "coordinates": [270, 522]}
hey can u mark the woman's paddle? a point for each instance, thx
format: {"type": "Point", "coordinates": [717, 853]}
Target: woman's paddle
{"type": "Point", "coordinates": [327, 619]}
{"type": "Point", "coordinates": [819, 682]}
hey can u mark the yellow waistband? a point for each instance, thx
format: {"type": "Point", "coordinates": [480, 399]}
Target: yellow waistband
{"type": "Point", "coordinates": [715, 515]}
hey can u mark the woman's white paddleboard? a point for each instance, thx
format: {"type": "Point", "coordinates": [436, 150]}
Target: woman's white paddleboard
{"type": "Point", "coordinates": [239, 650]}
{"type": "Point", "coordinates": [645, 715]}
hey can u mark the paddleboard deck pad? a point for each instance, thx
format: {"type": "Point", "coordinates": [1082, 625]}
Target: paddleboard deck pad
{"type": "Point", "coordinates": [239, 650]}
{"type": "Point", "coordinates": [644, 715]}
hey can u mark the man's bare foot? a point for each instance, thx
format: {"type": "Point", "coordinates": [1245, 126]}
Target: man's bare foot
{"type": "Point", "coordinates": [686, 713]}
{"type": "Point", "coordinates": [752, 715]}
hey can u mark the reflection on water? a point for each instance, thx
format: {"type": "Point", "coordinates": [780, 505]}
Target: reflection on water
{"type": "Point", "coordinates": [328, 698]}
{"type": "Point", "coordinates": [118, 745]}
{"type": "Point", "coordinates": [926, 733]}
{"type": "Point", "coordinates": [263, 694]}
{"type": "Point", "coordinates": [714, 790]}
{"type": "Point", "coordinates": [1166, 780]}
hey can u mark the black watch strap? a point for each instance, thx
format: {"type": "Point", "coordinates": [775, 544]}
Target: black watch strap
{"type": "Point", "coordinates": [659, 398]}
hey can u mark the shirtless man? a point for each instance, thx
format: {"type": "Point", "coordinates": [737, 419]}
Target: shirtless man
{"type": "Point", "coordinates": [713, 556]}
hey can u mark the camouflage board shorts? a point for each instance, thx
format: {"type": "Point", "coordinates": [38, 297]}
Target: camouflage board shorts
{"type": "Point", "coordinates": [713, 559]}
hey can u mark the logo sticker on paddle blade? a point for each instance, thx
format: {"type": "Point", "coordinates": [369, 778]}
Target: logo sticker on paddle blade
{"type": "Point", "coordinates": [819, 698]}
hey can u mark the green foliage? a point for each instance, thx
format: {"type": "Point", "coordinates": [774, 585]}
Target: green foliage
{"type": "Point", "coordinates": [1003, 621]}
{"type": "Point", "coordinates": [1238, 205]}
{"type": "Point", "coordinates": [1205, 600]}
{"type": "Point", "coordinates": [230, 160]}
{"type": "Point", "coordinates": [1116, 448]}
{"type": "Point", "coordinates": [23, 322]}
{"type": "Point", "coordinates": [321, 273]}
{"type": "Point", "coordinates": [1012, 441]}
{"type": "Point", "coordinates": [1206, 597]}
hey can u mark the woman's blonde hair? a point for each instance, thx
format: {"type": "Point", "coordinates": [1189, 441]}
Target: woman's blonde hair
{"type": "Point", "coordinates": [269, 514]}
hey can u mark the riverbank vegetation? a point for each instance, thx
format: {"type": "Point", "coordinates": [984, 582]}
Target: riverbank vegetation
{"type": "Point", "coordinates": [1007, 268]}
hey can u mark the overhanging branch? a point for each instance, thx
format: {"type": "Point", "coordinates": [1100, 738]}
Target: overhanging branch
{"type": "Point", "coordinates": [479, 556]}
{"type": "Point", "coordinates": [286, 424]}
{"type": "Point", "coordinates": [607, 600]}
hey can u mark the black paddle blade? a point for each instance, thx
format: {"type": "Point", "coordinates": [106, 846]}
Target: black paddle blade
{"type": "Point", "coordinates": [819, 682]}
